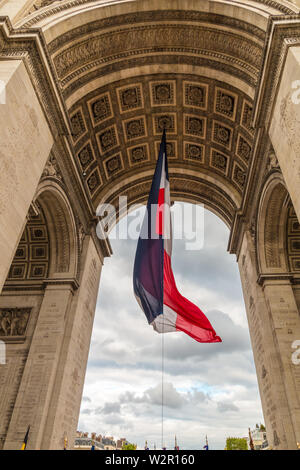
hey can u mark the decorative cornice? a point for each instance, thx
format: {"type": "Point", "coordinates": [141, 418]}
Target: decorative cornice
{"type": "Point", "coordinates": [91, 51]}
{"type": "Point", "coordinates": [282, 33]}
{"type": "Point", "coordinates": [155, 16]}
{"type": "Point", "coordinates": [13, 340]}
{"type": "Point", "coordinates": [212, 62]}
{"type": "Point", "coordinates": [23, 286]}
{"type": "Point", "coordinates": [280, 7]}
{"type": "Point", "coordinates": [47, 11]}
{"type": "Point", "coordinates": [51, 10]}
{"type": "Point", "coordinates": [72, 283]}
{"type": "Point", "coordinates": [263, 278]}
{"type": "Point", "coordinates": [29, 47]}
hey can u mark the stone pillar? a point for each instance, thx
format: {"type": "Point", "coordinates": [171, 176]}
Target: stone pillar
{"type": "Point", "coordinates": [25, 144]}
{"type": "Point", "coordinates": [34, 395]}
{"type": "Point", "coordinates": [271, 343]}
{"type": "Point", "coordinates": [50, 392]}
{"type": "Point", "coordinates": [285, 320]}
{"type": "Point", "coordinates": [285, 124]}
{"type": "Point", "coordinates": [62, 419]}
{"type": "Point", "coordinates": [17, 346]}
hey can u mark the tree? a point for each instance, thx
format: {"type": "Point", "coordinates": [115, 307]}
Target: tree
{"type": "Point", "coordinates": [128, 446]}
{"type": "Point", "coordinates": [236, 443]}
{"type": "Point", "coordinates": [262, 428]}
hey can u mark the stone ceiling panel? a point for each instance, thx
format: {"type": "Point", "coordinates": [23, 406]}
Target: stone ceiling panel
{"type": "Point", "coordinates": [117, 131]}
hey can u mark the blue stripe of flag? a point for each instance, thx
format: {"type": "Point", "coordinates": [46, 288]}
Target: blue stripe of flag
{"type": "Point", "coordinates": [148, 272]}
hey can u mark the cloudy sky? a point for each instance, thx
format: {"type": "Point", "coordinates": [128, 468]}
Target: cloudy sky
{"type": "Point", "coordinates": [208, 388]}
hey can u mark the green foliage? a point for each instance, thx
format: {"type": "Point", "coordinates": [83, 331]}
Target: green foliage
{"type": "Point", "coordinates": [236, 443]}
{"type": "Point", "coordinates": [129, 447]}
{"type": "Point", "coordinates": [262, 428]}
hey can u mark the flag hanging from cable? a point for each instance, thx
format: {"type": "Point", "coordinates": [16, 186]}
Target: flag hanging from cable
{"type": "Point", "coordinates": [153, 280]}
{"type": "Point", "coordinates": [24, 445]}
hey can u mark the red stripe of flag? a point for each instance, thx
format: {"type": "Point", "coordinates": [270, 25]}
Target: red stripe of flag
{"type": "Point", "coordinates": [160, 212]}
{"type": "Point", "coordinates": [190, 318]}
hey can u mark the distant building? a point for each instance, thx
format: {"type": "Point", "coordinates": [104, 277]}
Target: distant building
{"type": "Point", "coordinates": [109, 443]}
{"type": "Point", "coordinates": [86, 443]}
{"type": "Point", "coordinates": [121, 442]}
{"type": "Point", "coordinates": [259, 438]}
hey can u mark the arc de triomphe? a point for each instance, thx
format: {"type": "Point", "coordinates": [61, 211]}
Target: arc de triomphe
{"type": "Point", "coordinates": [86, 88]}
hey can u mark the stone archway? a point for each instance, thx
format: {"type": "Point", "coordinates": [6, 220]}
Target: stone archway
{"type": "Point", "coordinates": [105, 80]}
{"type": "Point", "coordinates": [41, 280]}
{"type": "Point", "coordinates": [270, 281]}
{"type": "Point", "coordinates": [47, 350]}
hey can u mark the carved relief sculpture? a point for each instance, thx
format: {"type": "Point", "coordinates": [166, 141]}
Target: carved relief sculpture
{"type": "Point", "coordinates": [13, 321]}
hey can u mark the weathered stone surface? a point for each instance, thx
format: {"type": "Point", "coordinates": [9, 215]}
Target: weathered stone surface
{"type": "Point", "coordinates": [25, 145]}
{"type": "Point", "coordinates": [108, 79]}
{"type": "Point", "coordinates": [285, 125]}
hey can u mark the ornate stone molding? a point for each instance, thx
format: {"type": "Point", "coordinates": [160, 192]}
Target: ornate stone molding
{"type": "Point", "coordinates": [170, 59]}
{"type": "Point", "coordinates": [252, 228]}
{"type": "Point", "coordinates": [271, 228]}
{"type": "Point", "coordinates": [181, 17]}
{"type": "Point", "coordinates": [29, 47]}
{"type": "Point", "coordinates": [113, 148]}
{"type": "Point", "coordinates": [48, 11]}
{"type": "Point", "coordinates": [55, 9]}
{"type": "Point", "coordinates": [272, 161]}
{"type": "Point", "coordinates": [34, 210]}
{"type": "Point", "coordinates": [246, 217]}
{"type": "Point", "coordinates": [91, 51]}
{"type": "Point", "coordinates": [182, 38]}
{"type": "Point", "coordinates": [55, 283]}
{"type": "Point", "coordinates": [263, 278]}
{"type": "Point", "coordinates": [81, 236]}
{"type": "Point", "coordinates": [52, 170]}
{"type": "Point", "coordinates": [282, 33]}
{"type": "Point", "coordinates": [19, 288]}
{"type": "Point", "coordinates": [44, 3]}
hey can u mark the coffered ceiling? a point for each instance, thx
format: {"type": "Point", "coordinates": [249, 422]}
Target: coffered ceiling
{"type": "Point", "coordinates": [117, 130]}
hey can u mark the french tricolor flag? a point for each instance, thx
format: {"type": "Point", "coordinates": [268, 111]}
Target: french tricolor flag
{"type": "Point", "coordinates": [153, 280]}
